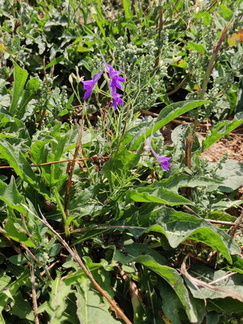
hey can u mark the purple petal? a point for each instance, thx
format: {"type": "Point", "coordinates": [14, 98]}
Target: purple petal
{"type": "Point", "coordinates": [115, 77]}
{"type": "Point", "coordinates": [163, 160]}
{"type": "Point", "coordinates": [116, 100]}
{"type": "Point", "coordinates": [90, 84]}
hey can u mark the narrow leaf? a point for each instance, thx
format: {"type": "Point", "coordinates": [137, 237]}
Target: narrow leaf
{"type": "Point", "coordinates": [20, 77]}
{"type": "Point", "coordinates": [220, 130]}
{"type": "Point", "coordinates": [166, 115]}
{"type": "Point", "coordinates": [157, 195]}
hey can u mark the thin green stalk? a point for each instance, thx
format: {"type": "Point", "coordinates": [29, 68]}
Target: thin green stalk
{"type": "Point", "coordinates": [64, 216]}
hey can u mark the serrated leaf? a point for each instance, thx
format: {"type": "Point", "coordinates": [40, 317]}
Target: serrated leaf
{"type": "Point", "coordinates": [57, 303]}
{"type": "Point", "coordinates": [91, 308]}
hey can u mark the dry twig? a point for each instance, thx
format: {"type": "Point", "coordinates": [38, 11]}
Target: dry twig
{"type": "Point", "coordinates": [118, 311]}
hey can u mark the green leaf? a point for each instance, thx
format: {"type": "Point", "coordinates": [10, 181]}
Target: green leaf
{"type": "Point", "coordinates": [226, 12]}
{"type": "Point", "coordinates": [220, 130]}
{"type": "Point", "coordinates": [91, 308]}
{"type": "Point", "coordinates": [32, 86]}
{"type": "Point", "coordinates": [157, 195]}
{"type": "Point", "coordinates": [119, 166]}
{"type": "Point", "coordinates": [224, 286]}
{"type": "Point", "coordinates": [11, 196]}
{"type": "Point", "coordinates": [18, 162]}
{"type": "Point", "coordinates": [20, 77]}
{"type": "Point", "coordinates": [22, 308]}
{"type": "Point", "coordinates": [178, 227]}
{"type": "Point", "coordinates": [180, 180]}
{"type": "Point", "coordinates": [172, 306]}
{"type": "Point", "coordinates": [231, 172]}
{"type": "Point", "coordinates": [57, 303]}
{"type": "Point", "coordinates": [199, 48]}
{"type": "Point", "coordinates": [127, 8]}
{"type": "Point", "coordinates": [14, 230]}
{"type": "Point", "coordinates": [11, 290]}
{"type": "Point", "coordinates": [174, 280]}
{"type": "Point", "coordinates": [225, 305]}
{"type": "Point", "coordinates": [166, 115]}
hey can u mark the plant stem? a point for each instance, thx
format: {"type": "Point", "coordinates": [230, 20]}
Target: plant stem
{"type": "Point", "coordinates": [64, 216]}
{"type": "Point", "coordinates": [119, 312]}
{"type": "Point", "coordinates": [212, 61]}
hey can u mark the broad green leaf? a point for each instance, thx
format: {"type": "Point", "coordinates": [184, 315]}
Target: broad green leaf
{"type": "Point", "coordinates": [226, 12]}
{"type": "Point", "coordinates": [225, 285]}
{"type": "Point", "coordinates": [11, 196]}
{"type": "Point", "coordinates": [220, 130]}
{"type": "Point", "coordinates": [191, 46]}
{"type": "Point", "coordinates": [178, 227]}
{"type": "Point", "coordinates": [166, 115]}
{"type": "Point", "coordinates": [57, 303]}
{"type": "Point", "coordinates": [22, 168]}
{"type": "Point", "coordinates": [4, 280]}
{"type": "Point", "coordinates": [91, 307]}
{"type": "Point", "coordinates": [237, 265]}
{"type": "Point", "coordinates": [231, 172]}
{"type": "Point", "coordinates": [174, 280]}
{"type": "Point", "coordinates": [11, 290]}
{"type": "Point", "coordinates": [225, 305]}
{"type": "Point", "coordinates": [172, 306]}
{"type": "Point", "coordinates": [157, 195]}
{"type": "Point", "coordinates": [133, 250]}
{"type": "Point", "coordinates": [180, 180]}
{"type": "Point", "coordinates": [15, 231]}
{"type": "Point", "coordinates": [22, 308]}
{"type": "Point", "coordinates": [20, 77]}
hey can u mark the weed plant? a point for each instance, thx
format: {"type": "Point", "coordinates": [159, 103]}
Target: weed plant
{"type": "Point", "coordinates": [103, 218]}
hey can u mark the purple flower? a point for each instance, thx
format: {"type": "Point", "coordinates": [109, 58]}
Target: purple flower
{"type": "Point", "coordinates": [116, 100]}
{"type": "Point", "coordinates": [114, 84]}
{"type": "Point", "coordinates": [90, 84]}
{"type": "Point", "coordinates": [162, 159]}
{"type": "Point", "coordinates": [115, 77]}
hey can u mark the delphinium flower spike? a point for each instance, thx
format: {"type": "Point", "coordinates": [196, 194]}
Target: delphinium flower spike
{"type": "Point", "coordinates": [115, 80]}
{"type": "Point", "coordinates": [162, 159]}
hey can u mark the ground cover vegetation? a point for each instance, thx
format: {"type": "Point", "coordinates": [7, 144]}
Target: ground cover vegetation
{"type": "Point", "coordinates": [108, 212]}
